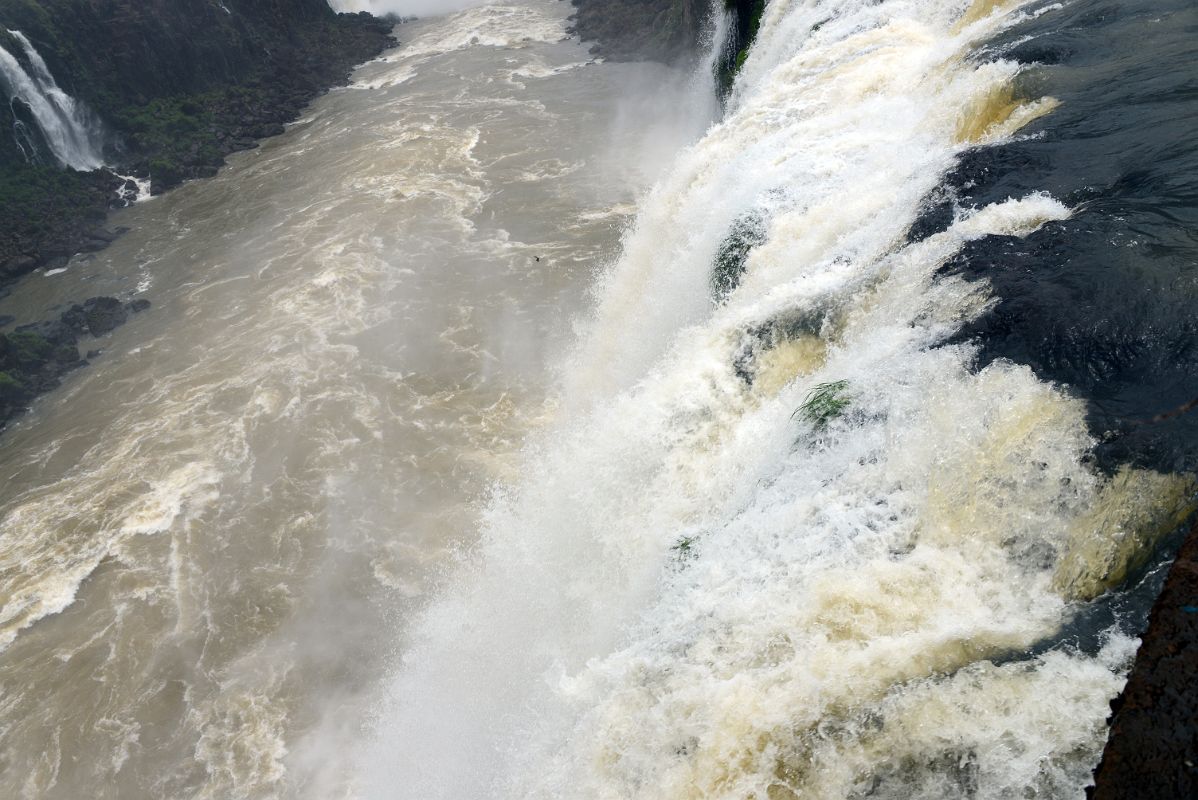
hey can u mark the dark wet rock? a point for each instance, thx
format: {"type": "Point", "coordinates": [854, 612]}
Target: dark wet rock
{"type": "Point", "coordinates": [139, 305]}
{"type": "Point", "coordinates": [32, 363]}
{"type": "Point", "coordinates": [96, 316]}
{"type": "Point", "coordinates": [104, 314]}
{"type": "Point", "coordinates": [59, 332]}
{"type": "Point", "coordinates": [92, 244]}
{"type": "Point", "coordinates": [1152, 753]}
{"type": "Point", "coordinates": [109, 236]}
{"type": "Point", "coordinates": [20, 265]}
{"type": "Point", "coordinates": [672, 31]}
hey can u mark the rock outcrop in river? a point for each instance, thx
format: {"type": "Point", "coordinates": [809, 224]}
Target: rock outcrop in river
{"type": "Point", "coordinates": [165, 88]}
{"type": "Point", "coordinates": [34, 357]}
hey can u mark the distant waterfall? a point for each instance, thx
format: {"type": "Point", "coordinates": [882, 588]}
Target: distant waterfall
{"type": "Point", "coordinates": [66, 125]}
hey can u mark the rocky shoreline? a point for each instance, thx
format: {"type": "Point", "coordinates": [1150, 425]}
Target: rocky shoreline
{"type": "Point", "coordinates": [35, 357]}
{"type": "Point", "coordinates": [175, 88]}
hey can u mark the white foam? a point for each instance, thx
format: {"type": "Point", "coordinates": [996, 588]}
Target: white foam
{"type": "Point", "coordinates": [701, 589]}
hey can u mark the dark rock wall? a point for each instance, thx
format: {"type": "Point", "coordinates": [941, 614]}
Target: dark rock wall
{"type": "Point", "coordinates": [1152, 753]}
{"type": "Point", "coordinates": [664, 30]}
{"type": "Point", "coordinates": [667, 30]}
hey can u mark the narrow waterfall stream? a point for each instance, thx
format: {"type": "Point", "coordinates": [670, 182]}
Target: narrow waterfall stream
{"type": "Point", "coordinates": [521, 425]}
{"type": "Point", "coordinates": [70, 132]}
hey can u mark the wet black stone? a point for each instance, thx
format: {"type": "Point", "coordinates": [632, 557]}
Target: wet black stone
{"type": "Point", "coordinates": [103, 314]}
{"type": "Point", "coordinates": [1102, 303]}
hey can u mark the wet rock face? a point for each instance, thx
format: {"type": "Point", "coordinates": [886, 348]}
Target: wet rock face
{"type": "Point", "coordinates": [673, 31]}
{"type": "Point", "coordinates": [1152, 753]}
{"type": "Point", "coordinates": [663, 30]}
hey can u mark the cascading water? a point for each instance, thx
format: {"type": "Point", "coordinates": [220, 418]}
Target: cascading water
{"type": "Point", "coordinates": [786, 542]}
{"type": "Point", "coordinates": [67, 127]}
{"type": "Point", "coordinates": [784, 508]}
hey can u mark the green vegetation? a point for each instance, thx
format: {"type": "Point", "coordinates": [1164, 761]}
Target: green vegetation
{"type": "Point", "coordinates": [825, 402]}
{"type": "Point", "coordinates": [49, 189]}
{"type": "Point", "coordinates": [30, 348]}
{"type": "Point", "coordinates": [748, 22]}
{"type": "Point", "coordinates": [41, 206]}
{"type": "Point", "coordinates": [685, 547]}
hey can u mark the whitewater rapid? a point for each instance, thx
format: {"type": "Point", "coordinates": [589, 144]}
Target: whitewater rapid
{"type": "Point", "coordinates": [521, 425]}
{"type": "Point", "coordinates": [704, 586]}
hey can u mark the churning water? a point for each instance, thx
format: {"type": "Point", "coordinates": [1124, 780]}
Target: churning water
{"type": "Point", "coordinates": [380, 502]}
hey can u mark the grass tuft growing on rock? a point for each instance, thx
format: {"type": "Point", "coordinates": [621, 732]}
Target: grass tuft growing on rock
{"type": "Point", "coordinates": [825, 402]}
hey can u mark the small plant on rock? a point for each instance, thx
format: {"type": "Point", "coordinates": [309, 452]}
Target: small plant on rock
{"type": "Point", "coordinates": [825, 402]}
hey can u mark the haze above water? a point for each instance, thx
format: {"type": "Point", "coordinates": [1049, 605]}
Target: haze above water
{"type": "Point", "coordinates": [214, 534]}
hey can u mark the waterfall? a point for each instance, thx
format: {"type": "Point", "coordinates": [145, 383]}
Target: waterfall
{"type": "Point", "coordinates": [66, 125]}
{"type": "Point", "coordinates": [785, 541]}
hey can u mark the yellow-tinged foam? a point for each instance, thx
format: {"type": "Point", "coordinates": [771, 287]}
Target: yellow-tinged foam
{"type": "Point", "coordinates": [1131, 514]}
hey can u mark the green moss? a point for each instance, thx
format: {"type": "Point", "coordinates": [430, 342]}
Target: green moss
{"type": "Point", "coordinates": [25, 185]}
{"type": "Point", "coordinates": [165, 171]}
{"type": "Point", "coordinates": [30, 348]}
{"type": "Point", "coordinates": [13, 393]}
{"type": "Point", "coordinates": [174, 128]}
{"type": "Point", "coordinates": [684, 548]}
{"type": "Point", "coordinates": [825, 402]}
{"type": "Point", "coordinates": [746, 34]}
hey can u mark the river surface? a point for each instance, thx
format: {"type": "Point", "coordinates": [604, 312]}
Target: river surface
{"type": "Point", "coordinates": [520, 425]}
{"type": "Point", "coordinates": [213, 533]}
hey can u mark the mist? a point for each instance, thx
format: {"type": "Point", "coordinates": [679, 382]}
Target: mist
{"type": "Point", "coordinates": [404, 8]}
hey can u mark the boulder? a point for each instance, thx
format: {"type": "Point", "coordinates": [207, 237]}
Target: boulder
{"type": "Point", "coordinates": [103, 314]}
